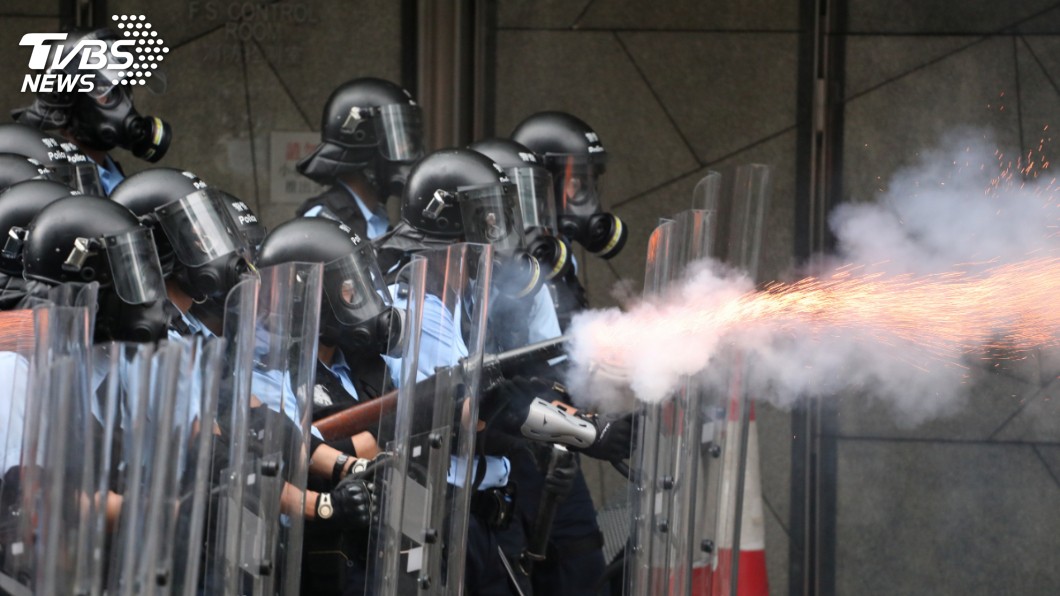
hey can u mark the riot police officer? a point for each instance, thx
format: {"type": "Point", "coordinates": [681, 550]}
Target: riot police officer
{"type": "Point", "coordinates": [371, 132]}
{"type": "Point", "coordinates": [576, 158]}
{"type": "Point", "coordinates": [100, 120]}
{"type": "Point", "coordinates": [358, 325]}
{"type": "Point", "coordinates": [574, 155]}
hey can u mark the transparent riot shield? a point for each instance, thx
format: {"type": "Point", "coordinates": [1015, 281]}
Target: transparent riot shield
{"type": "Point", "coordinates": [158, 410]}
{"type": "Point", "coordinates": [668, 451]}
{"type": "Point", "coordinates": [651, 482]}
{"type": "Point", "coordinates": [692, 449]}
{"type": "Point", "coordinates": [221, 562]}
{"type": "Point", "coordinates": [17, 344]}
{"type": "Point", "coordinates": [136, 382]}
{"type": "Point", "coordinates": [52, 507]}
{"type": "Point", "coordinates": [272, 453]}
{"type": "Point", "coordinates": [422, 534]}
{"type": "Point", "coordinates": [724, 515]}
{"type": "Point", "coordinates": [182, 525]}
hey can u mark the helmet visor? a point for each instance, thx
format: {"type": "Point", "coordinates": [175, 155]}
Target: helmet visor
{"type": "Point", "coordinates": [577, 183]}
{"type": "Point", "coordinates": [491, 215]}
{"type": "Point", "coordinates": [355, 288]}
{"type": "Point", "coordinates": [399, 128]}
{"type": "Point", "coordinates": [134, 266]}
{"type": "Point", "coordinates": [536, 197]}
{"type": "Point", "coordinates": [83, 177]}
{"type": "Point", "coordinates": [200, 228]}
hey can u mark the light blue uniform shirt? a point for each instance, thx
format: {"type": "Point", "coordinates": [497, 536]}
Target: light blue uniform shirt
{"type": "Point", "coordinates": [441, 345]}
{"type": "Point", "coordinates": [341, 369]}
{"type": "Point", "coordinates": [196, 327]}
{"type": "Point", "coordinates": [273, 389]}
{"type": "Point", "coordinates": [14, 379]}
{"type": "Point", "coordinates": [109, 175]}
{"type": "Point", "coordinates": [376, 221]}
{"type": "Point", "coordinates": [544, 324]}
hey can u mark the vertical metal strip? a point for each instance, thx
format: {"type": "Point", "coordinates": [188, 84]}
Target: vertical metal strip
{"type": "Point", "coordinates": [818, 186]}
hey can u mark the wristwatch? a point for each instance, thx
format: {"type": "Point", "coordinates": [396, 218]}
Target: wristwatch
{"type": "Point", "coordinates": [324, 507]}
{"type": "Point", "coordinates": [336, 470]}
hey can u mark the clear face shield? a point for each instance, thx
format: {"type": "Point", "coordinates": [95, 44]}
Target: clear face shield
{"type": "Point", "coordinates": [355, 287]}
{"type": "Point", "coordinates": [537, 199]}
{"type": "Point", "coordinates": [134, 266]}
{"type": "Point", "coordinates": [399, 128]}
{"type": "Point", "coordinates": [491, 215]}
{"type": "Point", "coordinates": [577, 183]}
{"type": "Point", "coordinates": [200, 228]}
{"type": "Point", "coordinates": [77, 171]}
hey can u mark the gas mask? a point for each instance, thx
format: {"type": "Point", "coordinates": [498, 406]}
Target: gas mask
{"type": "Point", "coordinates": [206, 242]}
{"type": "Point", "coordinates": [361, 315]}
{"type": "Point", "coordinates": [139, 323]}
{"type": "Point", "coordinates": [106, 118]}
{"type": "Point", "coordinates": [491, 215]}
{"type": "Point", "coordinates": [581, 217]}
{"type": "Point", "coordinates": [389, 177]}
{"type": "Point", "coordinates": [133, 307]}
{"type": "Point", "coordinates": [537, 202]}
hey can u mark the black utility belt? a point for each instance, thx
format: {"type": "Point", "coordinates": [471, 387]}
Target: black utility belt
{"type": "Point", "coordinates": [494, 506]}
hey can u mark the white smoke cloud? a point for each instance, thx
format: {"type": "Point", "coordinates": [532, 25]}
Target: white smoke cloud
{"type": "Point", "coordinates": [958, 207]}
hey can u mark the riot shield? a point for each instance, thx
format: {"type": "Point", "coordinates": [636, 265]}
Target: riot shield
{"type": "Point", "coordinates": [221, 561]}
{"type": "Point", "coordinates": [692, 448]}
{"type": "Point", "coordinates": [721, 516]}
{"type": "Point", "coordinates": [47, 525]}
{"type": "Point", "coordinates": [182, 525]}
{"type": "Point", "coordinates": [422, 533]}
{"type": "Point", "coordinates": [669, 451]}
{"type": "Point", "coordinates": [158, 411]}
{"type": "Point", "coordinates": [651, 470]}
{"type": "Point", "coordinates": [137, 387]}
{"type": "Point", "coordinates": [17, 344]}
{"type": "Point", "coordinates": [270, 439]}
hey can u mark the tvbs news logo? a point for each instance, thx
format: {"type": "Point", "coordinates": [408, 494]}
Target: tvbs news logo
{"type": "Point", "coordinates": [65, 67]}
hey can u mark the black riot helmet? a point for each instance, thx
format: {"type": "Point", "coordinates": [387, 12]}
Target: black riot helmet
{"type": "Point", "coordinates": [103, 118]}
{"type": "Point", "coordinates": [62, 158]}
{"type": "Point", "coordinates": [18, 206]}
{"type": "Point", "coordinates": [198, 241]}
{"type": "Point", "coordinates": [576, 158]}
{"type": "Point", "coordinates": [359, 313]}
{"type": "Point", "coordinates": [533, 184]}
{"type": "Point", "coordinates": [460, 194]}
{"type": "Point", "coordinates": [372, 126]}
{"type": "Point", "coordinates": [16, 168]}
{"type": "Point", "coordinates": [91, 239]}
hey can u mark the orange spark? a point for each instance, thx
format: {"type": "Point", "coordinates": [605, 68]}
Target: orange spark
{"type": "Point", "coordinates": [947, 315]}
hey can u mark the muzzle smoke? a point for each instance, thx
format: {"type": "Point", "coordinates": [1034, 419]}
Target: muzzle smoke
{"type": "Point", "coordinates": [957, 260]}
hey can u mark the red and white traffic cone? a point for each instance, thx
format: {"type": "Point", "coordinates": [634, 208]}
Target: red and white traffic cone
{"type": "Point", "coordinates": [753, 578]}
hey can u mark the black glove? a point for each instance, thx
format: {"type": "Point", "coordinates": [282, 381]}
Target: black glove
{"type": "Point", "coordinates": [351, 502]}
{"type": "Point", "coordinates": [614, 437]}
{"type": "Point", "coordinates": [560, 477]}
